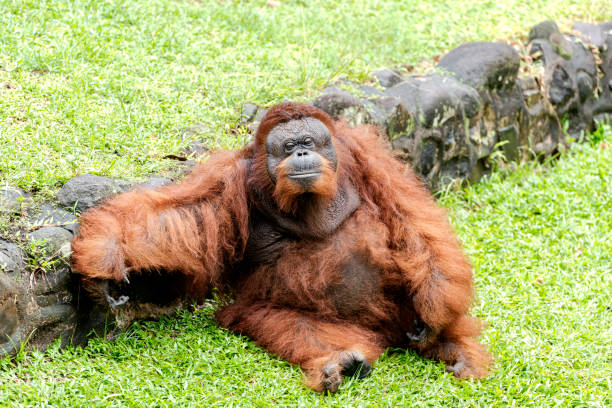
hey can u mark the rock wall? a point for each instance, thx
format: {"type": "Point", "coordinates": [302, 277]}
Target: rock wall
{"type": "Point", "coordinates": [485, 99]}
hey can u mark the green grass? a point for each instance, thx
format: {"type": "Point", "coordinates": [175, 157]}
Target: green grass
{"type": "Point", "coordinates": [105, 86]}
{"type": "Point", "coordinates": [540, 239]}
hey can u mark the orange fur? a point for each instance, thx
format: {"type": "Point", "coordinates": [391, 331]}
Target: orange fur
{"type": "Point", "coordinates": [359, 287]}
{"type": "Point", "coordinates": [287, 192]}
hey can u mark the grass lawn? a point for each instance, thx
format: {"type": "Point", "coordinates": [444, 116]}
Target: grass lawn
{"type": "Point", "coordinates": [105, 87]}
{"type": "Point", "coordinates": [540, 239]}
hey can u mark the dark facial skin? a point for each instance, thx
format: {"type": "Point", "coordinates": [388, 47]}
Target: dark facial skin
{"type": "Point", "coordinates": [304, 142]}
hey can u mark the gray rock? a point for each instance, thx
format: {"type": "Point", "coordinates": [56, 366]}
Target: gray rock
{"type": "Point", "coordinates": [543, 30]}
{"type": "Point", "coordinates": [12, 258]}
{"type": "Point", "coordinates": [569, 81]}
{"type": "Point", "coordinates": [561, 88]}
{"type": "Point", "coordinates": [252, 126]}
{"type": "Point", "coordinates": [124, 185]}
{"type": "Point", "coordinates": [434, 99]}
{"type": "Point", "coordinates": [369, 91]}
{"type": "Point", "coordinates": [338, 102]}
{"type": "Point", "coordinates": [52, 240]}
{"type": "Point", "coordinates": [428, 157]}
{"type": "Point", "coordinates": [197, 131]}
{"type": "Point", "coordinates": [196, 134]}
{"type": "Point", "coordinates": [594, 32]}
{"type": "Point", "coordinates": [388, 77]}
{"type": "Point", "coordinates": [540, 129]}
{"type": "Point", "coordinates": [483, 65]}
{"type": "Point", "coordinates": [248, 113]}
{"type": "Point", "coordinates": [44, 307]}
{"type": "Point", "coordinates": [154, 182]}
{"type": "Point", "coordinates": [510, 137]}
{"type": "Point", "coordinates": [57, 217]}
{"type": "Point", "coordinates": [87, 191]}
{"type": "Point", "coordinates": [601, 107]}
{"type": "Point", "coordinates": [11, 199]}
{"type": "Point", "coordinates": [196, 148]}
{"type": "Point", "coordinates": [399, 122]}
{"type": "Point", "coordinates": [585, 86]}
{"type": "Point", "coordinates": [456, 169]}
{"type": "Point", "coordinates": [52, 282]}
{"type": "Point", "coordinates": [561, 45]}
{"type": "Point", "coordinates": [11, 332]}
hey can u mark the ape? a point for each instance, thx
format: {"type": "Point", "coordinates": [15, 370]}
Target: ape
{"type": "Point", "coordinates": [330, 250]}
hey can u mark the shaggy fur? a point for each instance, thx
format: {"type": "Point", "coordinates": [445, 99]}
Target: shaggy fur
{"type": "Point", "coordinates": [322, 280]}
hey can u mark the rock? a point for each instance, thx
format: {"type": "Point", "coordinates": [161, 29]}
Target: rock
{"type": "Point", "coordinates": [428, 118]}
{"type": "Point", "coordinates": [196, 148]}
{"type": "Point", "coordinates": [261, 112]}
{"type": "Point", "coordinates": [428, 157]}
{"type": "Point", "coordinates": [561, 45]}
{"type": "Point", "coordinates": [53, 216]}
{"type": "Point", "coordinates": [388, 77]}
{"type": "Point", "coordinates": [540, 129]}
{"type": "Point", "coordinates": [585, 85]}
{"type": "Point", "coordinates": [12, 258]}
{"type": "Point", "coordinates": [483, 65]}
{"type": "Point", "coordinates": [249, 111]}
{"type": "Point", "coordinates": [434, 99]}
{"type": "Point", "coordinates": [509, 136]}
{"type": "Point", "coordinates": [543, 30]}
{"type": "Point", "coordinates": [569, 80]}
{"type": "Point", "coordinates": [195, 134]}
{"type": "Point", "coordinates": [52, 241]}
{"type": "Point", "coordinates": [11, 199]}
{"type": "Point", "coordinates": [338, 102]}
{"type": "Point", "coordinates": [124, 185]}
{"type": "Point", "coordinates": [197, 131]}
{"type": "Point", "coordinates": [369, 91]}
{"type": "Point", "coordinates": [87, 190]}
{"type": "Point", "coordinates": [154, 182]}
{"type": "Point", "coordinates": [43, 307]}
{"type": "Point", "coordinates": [399, 122]}
{"type": "Point", "coordinates": [357, 105]}
{"type": "Point", "coordinates": [11, 331]}
{"type": "Point", "coordinates": [594, 32]}
{"type": "Point", "coordinates": [549, 32]}
{"type": "Point", "coordinates": [52, 282]}
{"type": "Point", "coordinates": [601, 107]}
{"type": "Point", "coordinates": [359, 91]}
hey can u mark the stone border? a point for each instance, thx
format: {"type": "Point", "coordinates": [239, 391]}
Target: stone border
{"type": "Point", "coordinates": [486, 99]}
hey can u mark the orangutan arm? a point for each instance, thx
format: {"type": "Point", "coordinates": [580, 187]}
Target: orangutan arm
{"type": "Point", "coordinates": [194, 228]}
{"type": "Point", "coordinates": [431, 263]}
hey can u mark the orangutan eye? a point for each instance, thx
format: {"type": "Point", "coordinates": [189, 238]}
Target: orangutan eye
{"type": "Point", "coordinates": [289, 146]}
{"type": "Point", "coordinates": [308, 142]}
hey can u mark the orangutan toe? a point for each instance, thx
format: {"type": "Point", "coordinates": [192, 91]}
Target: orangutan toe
{"type": "Point", "coordinates": [463, 368]}
{"type": "Point", "coordinates": [349, 363]}
{"type": "Point", "coordinates": [332, 378]}
{"type": "Point", "coordinates": [121, 300]}
{"type": "Point", "coordinates": [354, 364]}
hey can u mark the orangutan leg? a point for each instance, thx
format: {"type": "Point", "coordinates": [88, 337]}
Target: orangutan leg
{"type": "Point", "coordinates": [458, 348]}
{"type": "Point", "coordinates": [326, 351]}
